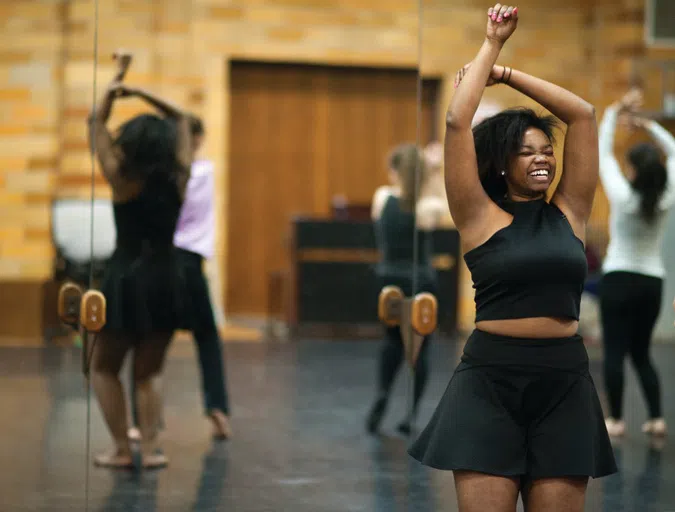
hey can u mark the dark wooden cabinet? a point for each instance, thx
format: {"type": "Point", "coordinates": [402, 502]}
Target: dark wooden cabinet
{"type": "Point", "coordinates": [332, 276]}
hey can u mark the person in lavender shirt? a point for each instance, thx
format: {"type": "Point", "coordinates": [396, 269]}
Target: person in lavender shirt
{"type": "Point", "coordinates": [194, 239]}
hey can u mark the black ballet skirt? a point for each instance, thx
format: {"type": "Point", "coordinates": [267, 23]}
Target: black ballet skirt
{"type": "Point", "coordinates": [143, 283]}
{"type": "Point", "coordinates": [519, 408]}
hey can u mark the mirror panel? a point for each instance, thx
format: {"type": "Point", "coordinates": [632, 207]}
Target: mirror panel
{"type": "Point", "coordinates": [301, 104]}
{"type": "Point", "coordinates": [47, 73]}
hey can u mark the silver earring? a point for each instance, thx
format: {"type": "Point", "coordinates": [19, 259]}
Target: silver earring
{"type": "Point", "coordinates": [503, 173]}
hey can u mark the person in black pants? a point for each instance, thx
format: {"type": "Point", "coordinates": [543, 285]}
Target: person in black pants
{"type": "Point", "coordinates": [194, 240]}
{"type": "Point", "coordinates": [631, 287]}
{"type": "Point", "coordinates": [397, 214]}
{"type": "Point", "coordinates": [630, 305]}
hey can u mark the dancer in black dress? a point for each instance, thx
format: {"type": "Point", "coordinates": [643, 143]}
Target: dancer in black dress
{"type": "Point", "coordinates": [147, 164]}
{"type": "Point", "coordinates": [521, 412]}
{"type": "Point", "coordinates": [195, 240]}
{"type": "Point", "coordinates": [397, 212]}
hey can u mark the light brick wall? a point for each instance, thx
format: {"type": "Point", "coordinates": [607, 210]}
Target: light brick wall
{"type": "Point", "coordinates": [30, 90]}
{"type": "Point", "coordinates": [182, 47]}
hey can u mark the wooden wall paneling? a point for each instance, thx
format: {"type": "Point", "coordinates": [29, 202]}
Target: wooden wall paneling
{"type": "Point", "coordinates": [216, 147]}
{"type": "Point", "coordinates": [326, 132]}
{"type": "Point", "coordinates": [430, 110]}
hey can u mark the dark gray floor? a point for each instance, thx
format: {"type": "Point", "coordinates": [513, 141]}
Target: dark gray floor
{"type": "Point", "coordinates": [299, 444]}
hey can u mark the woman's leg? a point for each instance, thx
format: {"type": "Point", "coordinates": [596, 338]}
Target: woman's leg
{"type": "Point", "coordinates": [421, 373]}
{"type": "Point", "coordinates": [391, 357]}
{"type": "Point", "coordinates": [617, 326]}
{"type": "Point", "coordinates": [555, 495]}
{"type": "Point", "coordinates": [420, 378]}
{"type": "Point", "coordinates": [209, 346]}
{"type": "Point", "coordinates": [134, 433]}
{"type": "Point", "coordinates": [108, 352]}
{"type": "Point", "coordinates": [478, 492]}
{"type": "Point", "coordinates": [647, 312]}
{"type": "Point", "coordinates": [149, 356]}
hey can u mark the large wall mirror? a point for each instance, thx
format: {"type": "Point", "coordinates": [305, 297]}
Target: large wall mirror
{"type": "Point", "coordinates": [241, 368]}
{"type": "Point", "coordinates": [47, 76]}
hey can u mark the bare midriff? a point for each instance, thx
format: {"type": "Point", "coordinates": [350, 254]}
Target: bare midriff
{"type": "Point", "coordinates": [538, 327]}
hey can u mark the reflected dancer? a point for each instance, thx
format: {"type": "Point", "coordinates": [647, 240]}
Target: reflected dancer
{"type": "Point", "coordinates": [400, 483]}
{"type": "Point", "coordinates": [632, 491]}
{"type": "Point", "coordinates": [648, 486]}
{"type": "Point", "coordinates": [147, 165]}
{"type": "Point", "coordinates": [195, 240]}
{"type": "Point", "coordinates": [389, 461]}
{"type": "Point", "coordinates": [397, 212]}
{"type": "Point", "coordinates": [212, 480]}
{"type": "Point", "coordinates": [132, 493]}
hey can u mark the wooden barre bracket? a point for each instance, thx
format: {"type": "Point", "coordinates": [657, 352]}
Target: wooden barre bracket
{"type": "Point", "coordinates": [424, 314]}
{"type": "Point", "coordinates": [417, 317]}
{"type": "Point", "coordinates": [93, 311]}
{"type": "Point", "coordinates": [389, 306]}
{"type": "Point", "coordinates": [68, 304]}
{"type": "Point", "coordinates": [92, 319]}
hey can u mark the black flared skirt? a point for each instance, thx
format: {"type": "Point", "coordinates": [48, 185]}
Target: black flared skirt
{"type": "Point", "coordinates": [145, 293]}
{"type": "Point", "coordinates": [519, 407]}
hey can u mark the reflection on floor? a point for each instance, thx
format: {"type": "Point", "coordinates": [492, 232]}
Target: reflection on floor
{"type": "Point", "coordinates": [299, 443]}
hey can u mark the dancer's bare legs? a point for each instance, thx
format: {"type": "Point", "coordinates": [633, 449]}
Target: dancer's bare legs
{"type": "Point", "coordinates": [149, 357]}
{"type": "Point", "coordinates": [108, 352]}
{"type": "Point", "coordinates": [478, 492]}
{"type": "Point", "coordinates": [555, 495]}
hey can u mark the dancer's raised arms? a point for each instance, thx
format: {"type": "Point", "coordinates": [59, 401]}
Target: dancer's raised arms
{"type": "Point", "coordinates": [470, 206]}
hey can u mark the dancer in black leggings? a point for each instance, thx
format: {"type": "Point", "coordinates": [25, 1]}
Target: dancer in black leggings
{"type": "Point", "coordinates": [631, 287]}
{"type": "Point", "coordinates": [195, 240]}
{"type": "Point", "coordinates": [396, 213]}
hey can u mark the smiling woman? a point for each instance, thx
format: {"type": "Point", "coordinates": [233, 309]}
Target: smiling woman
{"type": "Point", "coordinates": [514, 153]}
{"type": "Point", "coordinates": [521, 413]}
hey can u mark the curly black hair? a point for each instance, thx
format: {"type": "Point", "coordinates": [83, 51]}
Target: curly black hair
{"type": "Point", "coordinates": [651, 177]}
{"type": "Point", "coordinates": [497, 140]}
{"type": "Point", "coordinates": [196, 125]}
{"type": "Point", "coordinates": [148, 143]}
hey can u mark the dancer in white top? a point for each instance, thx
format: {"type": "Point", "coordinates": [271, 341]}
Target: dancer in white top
{"type": "Point", "coordinates": [631, 287]}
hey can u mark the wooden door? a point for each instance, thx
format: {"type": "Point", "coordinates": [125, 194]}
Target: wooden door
{"type": "Point", "coordinates": [300, 135]}
{"type": "Point", "coordinates": [431, 90]}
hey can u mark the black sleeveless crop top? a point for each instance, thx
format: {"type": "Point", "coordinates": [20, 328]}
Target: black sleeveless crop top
{"type": "Point", "coordinates": [149, 220]}
{"type": "Point", "coordinates": [395, 236]}
{"type": "Point", "coordinates": [535, 267]}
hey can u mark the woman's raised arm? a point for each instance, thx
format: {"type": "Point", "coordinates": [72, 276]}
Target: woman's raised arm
{"type": "Point", "coordinates": [468, 201]}
{"type": "Point", "coordinates": [576, 190]}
